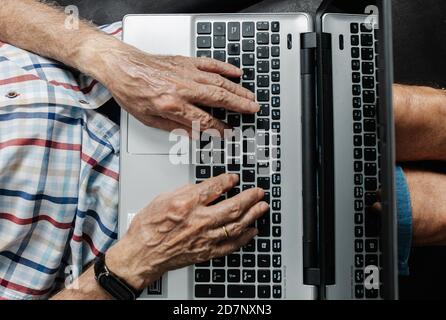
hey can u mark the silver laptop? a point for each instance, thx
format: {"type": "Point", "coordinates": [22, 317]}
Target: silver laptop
{"type": "Point", "coordinates": [321, 170]}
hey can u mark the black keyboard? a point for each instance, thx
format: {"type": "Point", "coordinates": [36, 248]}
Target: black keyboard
{"type": "Point", "coordinates": [254, 153]}
{"type": "Point", "coordinates": [366, 141]}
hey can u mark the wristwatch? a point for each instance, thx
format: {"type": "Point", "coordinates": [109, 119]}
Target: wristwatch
{"type": "Point", "coordinates": [111, 283]}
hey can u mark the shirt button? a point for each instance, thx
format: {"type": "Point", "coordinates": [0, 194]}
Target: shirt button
{"type": "Point", "coordinates": [12, 94]}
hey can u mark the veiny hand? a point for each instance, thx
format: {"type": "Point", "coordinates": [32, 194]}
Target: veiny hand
{"type": "Point", "coordinates": [182, 228]}
{"type": "Point", "coordinates": [166, 91]}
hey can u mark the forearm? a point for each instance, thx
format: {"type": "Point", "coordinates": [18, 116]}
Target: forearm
{"type": "Point", "coordinates": [420, 114]}
{"type": "Point", "coordinates": [40, 28]}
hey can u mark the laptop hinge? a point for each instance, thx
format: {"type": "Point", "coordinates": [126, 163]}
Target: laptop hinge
{"type": "Point", "coordinates": [310, 245]}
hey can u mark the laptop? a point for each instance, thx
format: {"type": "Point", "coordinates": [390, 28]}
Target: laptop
{"type": "Point", "coordinates": [321, 146]}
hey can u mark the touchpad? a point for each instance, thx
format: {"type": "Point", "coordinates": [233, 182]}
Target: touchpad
{"type": "Point", "coordinates": [146, 140]}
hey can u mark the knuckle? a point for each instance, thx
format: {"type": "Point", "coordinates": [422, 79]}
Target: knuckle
{"type": "Point", "coordinates": [220, 96]}
{"type": "Point", "coordinates": [219, 81]}
{"type": "Point", "coordinates": [235, 209]}
{"type": "Point", "coordinates": [206, 120]}
{"type": "Point", "coordinates": [237, 229]}
{"type": "Point", "coordinates": [178, 204]}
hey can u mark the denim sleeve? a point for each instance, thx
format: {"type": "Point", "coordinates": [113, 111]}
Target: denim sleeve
{"type": "Point", "coordinates": [404, 210]}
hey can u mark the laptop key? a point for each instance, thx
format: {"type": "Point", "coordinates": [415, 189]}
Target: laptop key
{"type": "Point", "coordinates": [263, 183]}
{"type": "Point", "coordinates": [264, 292]}
{"type": "Point", "coordinates": [248, 59]}
{"type": "Point", "coordinates": [249, 175]}
{"type": "Point", "coordinates": [248, 73]}
{"type": "Point", "coordinates": [263, 260]}
{"type": "Point", "coordinates": [233, 49]}
{"type": "Point", "coordinates": [372, 224]}
{"type": "Point", "coordinates": [203, 172]}
{"type": "Point", "coordinates": [263, 95]}
{"type": "Point", "coordinates": [219, 262]}
{"type": "Point", "coordinates": [204, 54]}
{"type": "Point", "coordinates": [218, 275]}
{"type": "Point", "coordinates": [277, 292]}
{"type": "Point", "coordinates": [202, 275]}
{"type": "Point", "coordinates": [248, 45]}
{"type": "Point", "coordinates": [277, 276]}
{"type": "Point", "coordinates": [241, 291]}
{"type": "Point", "coordinates": [234, 260]}
{"type": "Point", "coordinates": [371, 294]}
{"type": "Point", "coordinates": [277, 261]}
{"type": "Point", "coordinates": [263, 52]}
{"type": "Point", "coordinates": [263, 25]}
{"type": "Point", "coordinates": [250, 246]}
{"type": "Point", "coordinates": [354, 28]}
{"type": "Point", "coordinates": [371, 245]}
{"type": "Point", "coordinates": [366, 40]}
{"type": "Point", "coordinates": [220, 55]}
{"type": "Point", "coordinates": [249, 85]}
{"type": "Point", "coordinates": [209, 291]}
{"type": "Point", "coordinates": [248, 261]}
{"type": "Point", "coordinates": [204, 42]}
{"type": "Point", "coordinates": [263, 245]}
{"type": "Point", "coordinates": [275, 26]}
{"type": "Point", "coordinates": [219, 28]}
{"type": "Point", "coordinates": [204, 28]}
{"type": "Point", "coordinates": [275, 38]}
{"type": "Point", "coordinates": [234, 31]}
{"type": "Point", "coordinates": [264, 226]}
{"type": "Point", "coordinates": [248, 276]}
{"type": "Point", "coordinates": [277, 245]}
{"type": "Point", "coordinates": [359, 291]}
{"type": "Point", "coordinates": [233, 275]}
{"type": "Point", "coordinates": [262, 38]}
{"type": "Point", "coordinates": [275, 51]}
{"type": "Point", "coordinates": [248, 29]}
{"type": "Point", "coordinates": [263, 276]}
{"type": "Point", "coordinates": [359, 261]}
{"type": "Point", "coordinates": [263, 66]}
{"type": "Point", "coordinates": [219, 42]}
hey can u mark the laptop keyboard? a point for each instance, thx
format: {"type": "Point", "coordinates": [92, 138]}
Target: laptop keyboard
{"type": "Point", "coordinates": [254, 153]}
{"type": "Point", "coordinates": [366, 154]}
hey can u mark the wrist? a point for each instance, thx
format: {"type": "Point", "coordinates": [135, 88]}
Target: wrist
{"type": "Point", "coordinates": [122, 262]}
{"type": "Point", "coordinates": [93, 55]}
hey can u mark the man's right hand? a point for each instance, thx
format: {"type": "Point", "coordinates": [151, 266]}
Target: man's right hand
{"type": "Point", "coordinates": [183, 228]}
{"type": "Point", "coordinates": [167, 92]}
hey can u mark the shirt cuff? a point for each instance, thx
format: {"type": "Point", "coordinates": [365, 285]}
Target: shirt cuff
{"type": "Point", "coordinates": [404, 210]}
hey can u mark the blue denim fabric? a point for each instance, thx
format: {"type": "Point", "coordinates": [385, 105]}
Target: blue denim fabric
{"type": "Point", "coordinates": [404, 210]}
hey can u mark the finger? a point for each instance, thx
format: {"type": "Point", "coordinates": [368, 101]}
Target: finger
{"type": "Point", "coordinates": [232, 209]}
{"type": "Point", "coordinates": [237, 228]}
{"type": "Point", "coordinates": [215, 66]}
{"type": "Point", "coordinates": [213, 96]}
{"type": "Point", "coordinates": [219, 81]}
{"type": "Point", "coordinates": [211, 189]}
{"type": "Point", "coordinates": [230, 245]}
{"type": "Point", "coordinates": [189, 115]}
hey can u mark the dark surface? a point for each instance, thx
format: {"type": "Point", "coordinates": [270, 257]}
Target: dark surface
{"type": "Point", "coordinates": [420, 50]}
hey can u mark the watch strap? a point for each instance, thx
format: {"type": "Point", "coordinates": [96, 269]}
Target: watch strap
{"type": "Point", "coordinates": [115, 286]}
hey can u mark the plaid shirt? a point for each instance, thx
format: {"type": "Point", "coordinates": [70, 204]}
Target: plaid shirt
{"type": "Point", "coordinates": [59, 164]}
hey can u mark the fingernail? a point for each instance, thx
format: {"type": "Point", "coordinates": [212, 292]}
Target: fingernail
{"type": "Point", "coordinates": [235, 177]}
{"type": "Point", "coordinates": [255, 107]}
{"type": "Point", "coordinates": [264, 206]}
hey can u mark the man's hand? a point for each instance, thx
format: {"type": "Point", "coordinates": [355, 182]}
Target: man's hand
{"type": "Point", "coordinates": [183, 228]}
{"type": "Point", "coordinates": [167, 91]}
{"type": "Point", "coordinates": [161, 91]}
